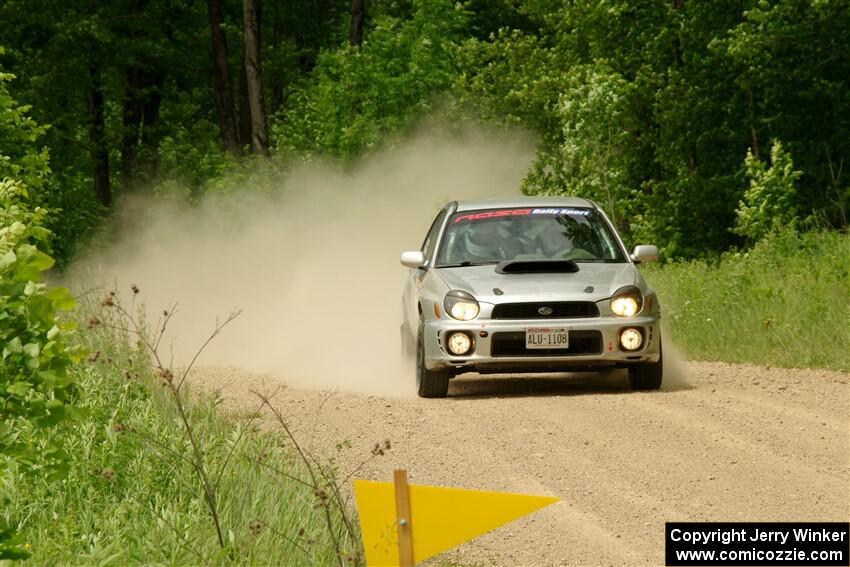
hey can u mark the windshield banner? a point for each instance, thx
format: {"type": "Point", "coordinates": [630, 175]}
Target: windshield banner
{"type": "Point", "coordinates": [514, 212]}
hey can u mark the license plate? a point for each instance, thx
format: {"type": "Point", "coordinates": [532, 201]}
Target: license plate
{"type": "Point", "coordinates": [546, 337]}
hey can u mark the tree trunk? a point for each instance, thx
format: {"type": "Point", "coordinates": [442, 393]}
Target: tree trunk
{"type": "Point", "coordinates": [358, 13]}
{"type": "Point", "coordinates": [97, 128]}
{"type": "Point", "coordinates": [244, 110]}
{"type": "Point", "coordinates": [253, 75]}
{"type": "Point", "coordinates": [223, 90]}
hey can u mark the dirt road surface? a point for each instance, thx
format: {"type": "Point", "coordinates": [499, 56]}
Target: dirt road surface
{"type": "Point", "coordinates": [737, 443]}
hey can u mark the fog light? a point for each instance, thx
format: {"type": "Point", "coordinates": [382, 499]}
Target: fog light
{"type": "Point", "coordinates": [631, 339]}
{"type": "Point", "coordinates": [459, 343]}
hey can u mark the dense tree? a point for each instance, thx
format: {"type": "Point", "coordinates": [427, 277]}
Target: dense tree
{"type": "Point", "coordinates": [354, 99]}
{"type": "Point", "coordinates": [650, 108]}
{"type": "Point", "coordinates": [667, 99]}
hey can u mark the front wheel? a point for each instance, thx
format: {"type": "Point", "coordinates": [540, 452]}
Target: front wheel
{"type": "Point", "coordinates": [429, 383]}
{"type": "Point", "coordinates": [647, 375]}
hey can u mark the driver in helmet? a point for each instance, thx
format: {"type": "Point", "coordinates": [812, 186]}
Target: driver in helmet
{"type": "Point", "coordinates": [484, 242]}
{"type": "Point", "coordinates": [554, 242]}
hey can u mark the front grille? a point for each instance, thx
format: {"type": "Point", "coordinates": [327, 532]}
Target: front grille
{"type": "Point", "coordinates": [513, 344]}
{"type": "Point", "coordinates": [560, 310]}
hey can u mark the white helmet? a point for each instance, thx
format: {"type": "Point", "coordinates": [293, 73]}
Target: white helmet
{"type": "Point", "coordinates": [482, 240]}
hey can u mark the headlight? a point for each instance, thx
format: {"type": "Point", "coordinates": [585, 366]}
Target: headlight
{"type": "Point", "coordinates": [461, 305]}
{"type": "Point", "coordinates": [627, 301]}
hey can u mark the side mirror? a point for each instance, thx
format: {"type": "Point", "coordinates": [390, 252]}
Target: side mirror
{"type": "Point", "coordinates": [645, 253]}
{"type": "Point", "coordinates": [413, 259]}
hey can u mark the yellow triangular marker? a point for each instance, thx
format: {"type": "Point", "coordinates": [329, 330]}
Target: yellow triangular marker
{"type": "Point", "coordinates": [440, 518]}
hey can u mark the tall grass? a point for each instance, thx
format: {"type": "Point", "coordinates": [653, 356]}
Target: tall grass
{"type": "Point", "coordinates": [783, 303]}
{"type": "Point", "coordinates": [132, 495]}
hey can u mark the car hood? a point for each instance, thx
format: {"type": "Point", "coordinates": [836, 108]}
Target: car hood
{"type": "Point", "coordinates": [480, 281]}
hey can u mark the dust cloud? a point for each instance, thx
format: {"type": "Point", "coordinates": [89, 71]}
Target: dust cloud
{"type": "Point", "coordinates": [311, 258]}
{"type": "Point", "coordinates": [675, 369]}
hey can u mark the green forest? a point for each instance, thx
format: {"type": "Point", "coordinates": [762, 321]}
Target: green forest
{"type": "Point", "coordinates": [719, 131]}
{"type": "Point", "coordinates": [696, 125]}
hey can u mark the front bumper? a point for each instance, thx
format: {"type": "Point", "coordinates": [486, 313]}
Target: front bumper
{"type": "Point", "coordinates": [594, 342]}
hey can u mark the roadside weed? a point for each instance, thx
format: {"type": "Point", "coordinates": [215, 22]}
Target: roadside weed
{"type": "Point", "coordinates": [782, 303]}
{"type": "Point", "coordinates": [133, 494]}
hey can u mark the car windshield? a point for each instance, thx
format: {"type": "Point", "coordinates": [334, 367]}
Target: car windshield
{"type": "Point", "coordinates": [496, 235]}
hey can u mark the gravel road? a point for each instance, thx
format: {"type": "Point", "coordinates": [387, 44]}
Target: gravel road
{"type": "Point", "coordinates": [736, 443]}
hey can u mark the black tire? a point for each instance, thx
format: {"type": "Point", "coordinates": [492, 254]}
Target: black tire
{"type": "Point", "coordinates": [648, 375]}
{"type": "Point", "coordinates": [429, 383]}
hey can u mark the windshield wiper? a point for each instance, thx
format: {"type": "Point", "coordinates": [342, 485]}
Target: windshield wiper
{"type": "Point", "coordinates": [466, 263]}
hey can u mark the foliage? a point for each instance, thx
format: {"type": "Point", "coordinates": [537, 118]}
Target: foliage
{"type": "Point", "coordinates": [355, 98]}
{"type": "Point", "coordinates": [20, 156]}
{"type": "Point", "coordinates": [694, 85]}
{"type": "Point", "coordinates": [649, 108]}
{"type": "Point", "coordinates": [133, 495]}
{"type": "Point", "coordinates": [36, 349]}
{"type": "Point", "coordinates": [36, 386]}
{"type": "Point", "coordinates": [593, 112]}
{"type": "Point", "coordinates": [781, 303]}
{"type": "Point", "coordinates": [69, 210]}
{"type": "Point", "coordinates": [790, 52]}
{"type": "Point", "coordinates": [61, 58]}
{"type": "Point", "coordinates": [191, 160]}
{"type": "Point", "coordinates": [770, 202]}
{"type": "Point", "coordinates": [495, 76]}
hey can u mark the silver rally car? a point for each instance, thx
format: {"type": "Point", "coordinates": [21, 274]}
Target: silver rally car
{"type": "Point", "coordinates": [528, 285]}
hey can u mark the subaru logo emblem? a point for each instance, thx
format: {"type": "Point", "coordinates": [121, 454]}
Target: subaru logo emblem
{"type": "Point", "coordinates": [545, 310]}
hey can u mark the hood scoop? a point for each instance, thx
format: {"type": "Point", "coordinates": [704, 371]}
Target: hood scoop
{"type": "Point", "coordinates": [537, 267]}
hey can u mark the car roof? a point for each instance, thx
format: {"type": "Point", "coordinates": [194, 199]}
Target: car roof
{"type": "Point", "coordinates": [508, 202]}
